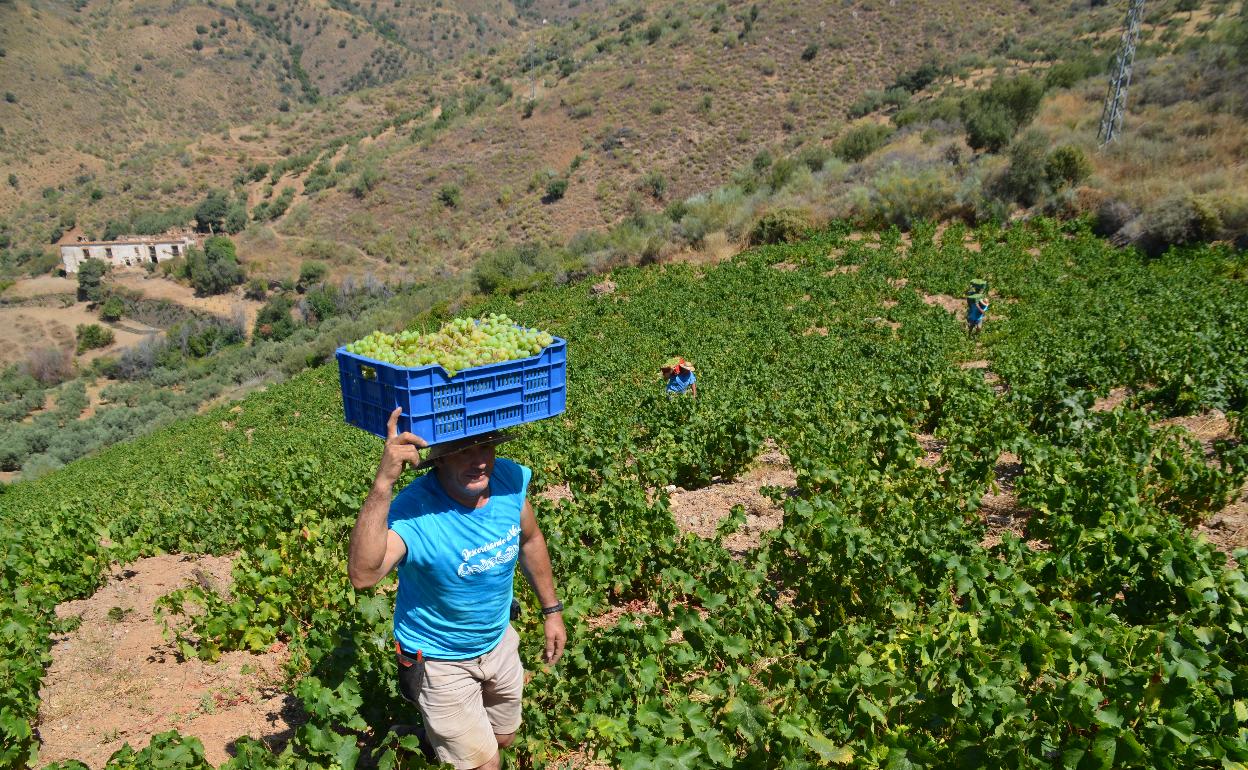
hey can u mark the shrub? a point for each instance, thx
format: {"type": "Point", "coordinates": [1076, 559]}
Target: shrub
{"type": "Point", "coordinates": [1066, 165]}
{"type": "Point", "coordinates": [1178, 219]}
{"type": "Point", "coordinates": [274, 321]}
{"type": "Point", "coordinates": [449, 196]}
{"type": "Point", "coordinates": [555, 189]}
{"type": "Point", "coordinates": [782, 172]}
{"type": "Point", "coordinates": [256, 289]}
{"type": "Point", "coordinates": [780, 226]}
{"type": "Point", "coordinates": [993, 116]}
{"type": "Point", "coordinates": [904, 197]}
{"type": "Point", "coordinates": [988, 125]}
{"type": "Point", "coordinates": [809, 52]}
{"type": "Point", "coordinates": [815, 157]}
{"type": "Point", "coordinates": [91, 336]}
{"type": "Point", "coordinates": [112, 310]}
{"type": "Point", "coordinates": [1025, 180]}
{"type": "Point", "coordinates": [919, 78]}
{"type": "Point", "coordinates": [515, 269]}
{"type": "Point", "coordinates": [861, 141]}
{"type": "Point", "coordinates": [210, 213]}
{"type": "Point", "coordinates": [50, 366]}
{"type": "Point", "coordinates": [90, 280]}
{"type": "Point", "coordinates": [215, 269]}
{"type": "Point", "coordinates": [654, 184]}
{"type": "Point", "coordinates": [311, 273]}
{"type": "Point", "coordinates": [364, 182]}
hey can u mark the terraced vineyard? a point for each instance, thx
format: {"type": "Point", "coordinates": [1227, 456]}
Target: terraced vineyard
{"type": "Point", "coordinates": [881, 625]}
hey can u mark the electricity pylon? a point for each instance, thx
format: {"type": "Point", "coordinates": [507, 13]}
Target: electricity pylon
{"type": "Point", "coordinates": [1120, 79]}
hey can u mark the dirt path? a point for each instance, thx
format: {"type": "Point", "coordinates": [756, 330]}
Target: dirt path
{"type": "Point", "coordinates": [115, 680]}
{"type": "Point", "coordinates": [700, 510]}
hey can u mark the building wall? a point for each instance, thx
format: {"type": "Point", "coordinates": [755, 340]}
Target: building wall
{"type": "Point", "coordinates": [123, 253]}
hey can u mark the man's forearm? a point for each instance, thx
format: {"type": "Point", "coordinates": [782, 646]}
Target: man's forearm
{"type": "Point", "coordinates": [368, 538]}
{"type": "Point", "coordinates": [535, 564]}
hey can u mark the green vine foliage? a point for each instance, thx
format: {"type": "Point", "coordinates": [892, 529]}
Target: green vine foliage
{"type": "Point", "coordinates": [874, 629]}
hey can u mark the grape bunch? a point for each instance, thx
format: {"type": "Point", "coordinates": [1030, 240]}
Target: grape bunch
{"type": "Point", "coordinates": [460, 343]}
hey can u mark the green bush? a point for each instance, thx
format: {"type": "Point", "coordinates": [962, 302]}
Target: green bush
{"type": "Point", "coordinates": [112, 310]}
{"type": "Point", "coordinates": [449, 196]}
{"type": "Point", "coordinates": [256, 289]}
{"type": "Point", "coordinates": [993, 116]}
{"type": "Point", "coordinates": [274, 321]}
{"type": "Point", "coordinates": [904, 197]}
{"type": "Point", "coordinates": [364, 182]}
{"type": "Point", "coordinates": [654, 184]}
{"type": "Point", "coordinates": [1177, 220]}
{"type": "Point", "coordinates": [215, 269]}
{"type": "Point", "coordinates": [861, 141]}
{"type": "Point", "coordinates": [1066, 166]}
{"type": "Point", "coordinates": [311, 273]}
{"type": "Point", "coordinates": [555, 189]}
{"type": "Point", "coordinates": [1026, 179]}
{"type": "Point", "coordinates": [90, 280]}
{"type": "Point", "coordinates": [91, 336]}
{"type": "Point", "coordinates": [515, 269]}
{"type": "Point", "coordinates": [780, 226]}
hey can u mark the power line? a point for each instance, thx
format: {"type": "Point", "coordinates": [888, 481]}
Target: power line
{"type": "Point", "coordinates": [1120, 79]}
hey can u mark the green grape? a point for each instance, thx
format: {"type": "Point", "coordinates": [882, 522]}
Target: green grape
{"type": "Point", "coordinates": [460, 343]}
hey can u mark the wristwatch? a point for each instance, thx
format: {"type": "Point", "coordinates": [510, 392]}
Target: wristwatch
{"type": "Point", "coordinates": [552, 609]}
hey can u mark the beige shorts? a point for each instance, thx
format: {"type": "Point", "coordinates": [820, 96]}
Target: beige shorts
{"type": "Point", "coordinates": [465, 703]}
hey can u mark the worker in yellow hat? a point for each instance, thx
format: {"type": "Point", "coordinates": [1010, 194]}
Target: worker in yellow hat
{"type": "Point", "coordinates": [679, 375]}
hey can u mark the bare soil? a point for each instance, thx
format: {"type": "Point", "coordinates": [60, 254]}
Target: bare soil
{"type": "Point", "coordinates": [700, 510]}
{"type": "Point", "coordinates": [26, 329]}
{"type": "Point", "coordinates": [41, 286]}
{"type": "Point", "coordinates": [952, 304]}
{"type": "Point", "coordinates": [116, 680]}
{"type": "Point", "coordinates": [1116, 398]}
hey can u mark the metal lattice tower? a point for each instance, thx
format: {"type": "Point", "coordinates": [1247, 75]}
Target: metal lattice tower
{"type": "Point", "coordinates": [1116, 99]}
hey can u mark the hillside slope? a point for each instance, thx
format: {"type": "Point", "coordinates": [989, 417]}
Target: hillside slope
{"type": "Point", "coordinates": [94, 82]}
{"type": "Point", "coordinates": [879, 620]}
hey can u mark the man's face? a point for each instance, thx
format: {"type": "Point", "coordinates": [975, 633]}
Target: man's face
{"type": "Point", "coordinates": [465, 475]}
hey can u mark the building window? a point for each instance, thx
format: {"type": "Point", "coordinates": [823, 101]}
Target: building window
{"type": "Point", "coordinates": [151, 252]}
{"type": "Point", "coordinates": [86, 254]}
{"type": "Point", "coordinates": [175, 250]}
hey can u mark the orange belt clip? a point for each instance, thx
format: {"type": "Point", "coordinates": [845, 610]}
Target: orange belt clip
{"type": "Point", "coordinates": [405, 660]}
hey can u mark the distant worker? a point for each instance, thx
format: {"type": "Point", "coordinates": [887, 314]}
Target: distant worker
{"type": "Point", "coordinates": [679, 375]}
{"type": "Point", "coordinates": [976, 305]}
{"type": "Point", "coordinates": [456, 535]}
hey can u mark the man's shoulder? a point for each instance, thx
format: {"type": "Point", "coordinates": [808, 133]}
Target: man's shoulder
{"type": "Point", "coordinates": [510, 475]}
{"type": "Point", "coordinates": [414, 500]}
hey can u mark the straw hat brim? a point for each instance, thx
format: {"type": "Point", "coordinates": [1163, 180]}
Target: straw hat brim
{"type": "Point", "coordinates": [493, 437]}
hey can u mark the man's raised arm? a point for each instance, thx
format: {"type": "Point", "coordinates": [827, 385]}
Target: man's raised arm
{"type": "Point", "coordinates": [375, 548]}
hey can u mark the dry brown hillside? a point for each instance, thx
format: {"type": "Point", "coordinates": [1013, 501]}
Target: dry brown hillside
{"type": "Point", "coordinates": [90, 83]}
{"type": "Point", "coordinates": [634, 106]}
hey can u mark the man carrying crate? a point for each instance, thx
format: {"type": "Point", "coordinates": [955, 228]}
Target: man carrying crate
{"type": "Point", "coordinates": [455, 535]}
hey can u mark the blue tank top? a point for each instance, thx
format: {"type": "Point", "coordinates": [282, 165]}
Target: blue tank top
{"type": "Point", "coordinates": [455, 583]}
{"type": "Point", "coordinates": [681, 382]}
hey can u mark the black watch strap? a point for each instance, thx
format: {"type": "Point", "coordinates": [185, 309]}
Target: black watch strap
{"type": "Point", "coordinates": [551, 610]}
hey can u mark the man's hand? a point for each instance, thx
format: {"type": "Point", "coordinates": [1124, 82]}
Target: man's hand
{"type": "Point", "coordinates": [556, 638]}
{"type": "Point", "coordinates": [402, 450]}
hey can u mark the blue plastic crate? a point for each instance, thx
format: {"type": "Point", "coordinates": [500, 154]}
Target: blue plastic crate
{"type": "Point", "coordinates": [439, 408]}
